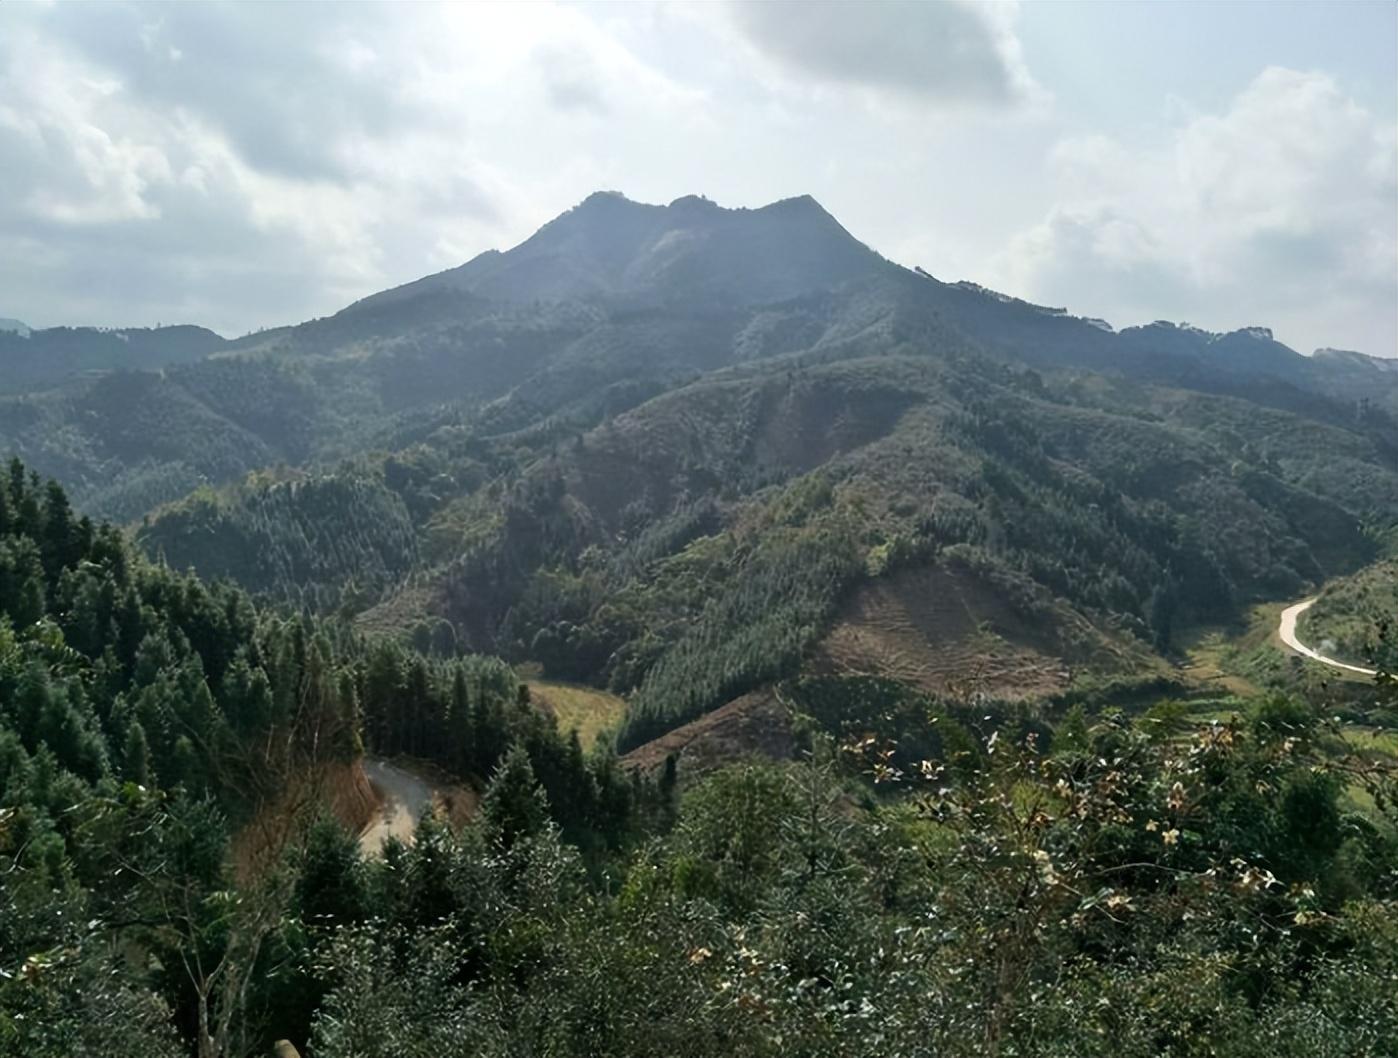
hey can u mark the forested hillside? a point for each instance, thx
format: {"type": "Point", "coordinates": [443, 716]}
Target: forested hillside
{"type": "Point", "coordinates": [38, 358]}
{"type": "Point", "coordinates": [930, 877]}
{"type": "Point", "coordinates": [667, 451]}
{"type": "Point", "coordinates": [608, 305]}
{"type": "Point", "coordinates": [320, 541]}
{"type": "Point", "coordinates": [148, 719]}
{"type": "Point", "coordinates": [697, 546]}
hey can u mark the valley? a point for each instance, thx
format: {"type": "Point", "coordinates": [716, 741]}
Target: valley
{"type": "Point", "coordinates": [691, 603]}
{"type": "Point", "coordinates": [678, 454]}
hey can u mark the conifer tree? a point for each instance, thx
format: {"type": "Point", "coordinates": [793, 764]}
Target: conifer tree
{"type": "Point", "coordinates": [136, 755]}
{"type": "Point", "coordinates": [515, 806]}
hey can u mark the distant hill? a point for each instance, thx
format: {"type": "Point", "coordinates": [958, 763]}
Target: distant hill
{"type": "Point", "coordinates": [39, 358]}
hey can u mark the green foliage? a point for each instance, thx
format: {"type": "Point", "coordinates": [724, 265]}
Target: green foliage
{"type": "Point", "coordinates": [926, 889]}
{"type": "Point", "coordinates": [515, 806]}
{"type": "Point", "coordinates": [1351, 618]}
{"type": "Point", "coordinates": [1130, 896]}
{"type": "Point", "coordinates": [754, 632]}
{"type": "Point", "coordinates": [146, 716]}
{"type": "Point", "coordinates": [316, 542]}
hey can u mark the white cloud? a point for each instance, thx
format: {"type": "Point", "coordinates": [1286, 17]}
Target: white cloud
{"type": "Point", "coordinates": [241, 165]}
{"type": "Point", "coordinates": [1281, 210]}
{"type": "Point", "coordinates": [252, 164]}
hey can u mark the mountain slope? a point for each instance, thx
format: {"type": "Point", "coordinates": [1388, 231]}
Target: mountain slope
{"type": "Point", "coordinates": [608, 305]}
{"type": "Point", "coordinates": [697, 545]}
{"type": "Point", "coordinates": [683, 451]}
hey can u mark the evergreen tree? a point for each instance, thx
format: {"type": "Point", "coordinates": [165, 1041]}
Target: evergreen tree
{"type": "Point", "coordinates": [60, 542]}
{"type": "Point", "coordinates": [136, 755]}
{"type": "Point", "coordinates": [461, 723]}
{"type": "Point", "coordinates": [515, 806]}
{"type": "Point", "coordinates": [330, 886]}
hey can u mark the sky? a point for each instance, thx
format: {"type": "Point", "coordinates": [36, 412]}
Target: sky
{"type": "Point", "coordinates": [250, 165]}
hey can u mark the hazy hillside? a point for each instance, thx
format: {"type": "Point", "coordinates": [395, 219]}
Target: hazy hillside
{"type": "Point", "coordinates": [32, 359]}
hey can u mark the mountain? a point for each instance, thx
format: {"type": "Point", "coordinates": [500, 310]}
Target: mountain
{"type": "Point", "coordinates": [14, 327]}
{"type": "Point", "coordinates": [610, 304]}
{"type": "Point", "coordinates": [683, 451]}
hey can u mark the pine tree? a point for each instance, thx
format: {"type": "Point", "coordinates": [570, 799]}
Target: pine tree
{"type": "Point", "coordinates": [185, 767]}
{"type": "Point", "coordinates": [418, 706]}
{"type": "Point", "coordinates": [461, 723]}
{"type": "Point", "coordinates": [29, 607]}
{"type": "Point", "coordinates": [136, 755]}
{"type": "Point", "coordinates": [331, 887]}
{"type": "Point", "coordinates": [515, 806]}
{"type": "Point", "coordinates": [59, 540]}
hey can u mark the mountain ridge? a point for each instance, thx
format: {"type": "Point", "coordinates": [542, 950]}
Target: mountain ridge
{"type": "Point", "coordinates": [504, 275]}
{"type": "Point", "coordinates": [640, 297]}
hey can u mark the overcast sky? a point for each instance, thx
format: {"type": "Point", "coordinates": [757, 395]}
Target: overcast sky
{"type": "Point", "coordinates": [256, 164]}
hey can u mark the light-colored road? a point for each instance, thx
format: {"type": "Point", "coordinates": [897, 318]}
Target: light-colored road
{"type": "Point", "coordinates": [403, 799]}
{"type": "Point", "coordinates": [1286, 629]}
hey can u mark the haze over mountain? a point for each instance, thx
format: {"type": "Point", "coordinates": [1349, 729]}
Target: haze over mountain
{"type": "Point", "coordinates": [608, 304]}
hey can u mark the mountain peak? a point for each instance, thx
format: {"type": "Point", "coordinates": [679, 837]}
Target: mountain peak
{"type": "Point", "coordinates": [612, 248]}
{"type": "Point", "coordinates": [797, 204]}
{"type": "Point", "coordinates": [694, 204]}
{"type": "Point", "coordinates": [605, 198]}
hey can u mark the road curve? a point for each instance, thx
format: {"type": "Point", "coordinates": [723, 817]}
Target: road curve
{"type": "Point", "coordinates": [1286, 629]}
{"type": "Point", "coordinates": [403, 798]}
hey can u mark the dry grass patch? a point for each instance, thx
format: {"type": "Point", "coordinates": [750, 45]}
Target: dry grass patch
{"type": "Point", "coordinates": [584, 709]}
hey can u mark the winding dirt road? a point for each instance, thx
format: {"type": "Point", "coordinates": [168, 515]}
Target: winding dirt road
{"type": "Point", "coordinates": [1286, 629]}
{"type": "Point", "coordinates": [403, 799]}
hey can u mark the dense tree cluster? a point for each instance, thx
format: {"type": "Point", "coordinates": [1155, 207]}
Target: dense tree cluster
{"type": "Point", "coordinates": [923, 881]}
{"type": "Point", "coordinates": [1108, 892]}
{"type": "Point", "coordinates": [723, 562]}
{"type": "Point", "coordinates": [145, 718]}
{"type": "Point", "coordinates": [316, 542]}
